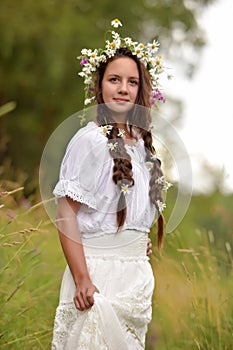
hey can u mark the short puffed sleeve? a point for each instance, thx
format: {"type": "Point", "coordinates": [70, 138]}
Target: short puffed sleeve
{"type": "Point", "coordinates": [79, 166]}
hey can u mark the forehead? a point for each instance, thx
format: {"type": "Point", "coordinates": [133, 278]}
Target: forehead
{"type": "Point", "coordinates": [123, 66]}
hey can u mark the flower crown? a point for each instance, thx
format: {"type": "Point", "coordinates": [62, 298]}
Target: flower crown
{"type": "Point", "coordinates": [90, 60]}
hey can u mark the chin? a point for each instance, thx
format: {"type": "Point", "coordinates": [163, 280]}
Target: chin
{"type": "Point", "coordinates": [120, 107]}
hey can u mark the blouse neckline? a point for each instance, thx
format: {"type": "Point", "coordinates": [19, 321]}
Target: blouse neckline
{"type": "Point", "coordinates": [128, 142]}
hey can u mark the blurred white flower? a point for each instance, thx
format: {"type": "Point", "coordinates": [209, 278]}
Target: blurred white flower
{"type": "Point", "coordinates": [116, 23]}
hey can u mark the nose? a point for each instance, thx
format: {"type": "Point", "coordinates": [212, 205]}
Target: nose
{"type": "Point", "coordinates": [123, 87]}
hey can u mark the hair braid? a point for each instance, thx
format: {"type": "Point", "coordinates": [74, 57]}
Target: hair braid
{"type": "Point", "coordinates": [156, 187]}
{"type": "Point", "coordinates": [122, 171]}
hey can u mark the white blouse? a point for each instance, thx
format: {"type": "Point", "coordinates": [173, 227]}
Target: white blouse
{"type": "Point", "coordinates": [86, 176]}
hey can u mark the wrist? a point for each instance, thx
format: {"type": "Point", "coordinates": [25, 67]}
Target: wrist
{"type": "Point", "coordinates": [80, 278]}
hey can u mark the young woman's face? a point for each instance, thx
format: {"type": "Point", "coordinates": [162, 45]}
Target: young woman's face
{"type": "Point", "coordinates": [120, 84]}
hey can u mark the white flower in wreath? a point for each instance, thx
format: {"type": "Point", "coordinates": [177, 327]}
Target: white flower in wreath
{"type": "Point", "coordinates": [110, 52]}
{"type": "Point", "coordinates": [139, 50]}
{"type": "Point", "coordinates": [153, 47]}
{"type": "Point", "coordinates": [88, 80]}
{"type": "Point", "coordinates": [115, 35]}
{"type": "Point", "coordinates": [116, 23]}
{"type": "Point", "coordinates": [128, 41]}
{"type": "Point", "coordinates": [87, 101]}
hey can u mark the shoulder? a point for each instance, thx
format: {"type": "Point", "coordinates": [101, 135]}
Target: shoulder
{"type": "Point", "coordinates": [87, 136]}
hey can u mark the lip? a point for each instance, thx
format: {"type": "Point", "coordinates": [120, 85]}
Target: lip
{"type": "Point", "coordinates": [120, 100]}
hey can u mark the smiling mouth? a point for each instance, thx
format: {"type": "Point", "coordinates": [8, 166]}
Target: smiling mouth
{"type": "Point", "coordinates": [120, 100]}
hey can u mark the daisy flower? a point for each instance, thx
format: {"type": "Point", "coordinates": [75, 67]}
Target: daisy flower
{"type": "Point", "coordinates": [161, 205]}
{"type": "Point", "coordinates": [116, 23]}
{"type": "Point", "coordinates": [149, 165]}
{"type": "Point", "coordinates": [113, 146]}
{"type": "Point", "coordinates": [160, 180]}
{"type": "Point", "coordinates": [125, 189]}
{"type": "Point", "coordinates": [87, 101]}
{"type": "Point", "coordinates": [106, 129]}
{"type": "Point", "coordinates": [167, 185]}
{"type": "Point", "coordinates": [154, 157]}
{"type": "Point", "coordinates": [121, 133]}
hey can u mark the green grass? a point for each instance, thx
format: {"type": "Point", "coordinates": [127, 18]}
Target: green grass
{"type": "Point", "coordinates": [192, 304]}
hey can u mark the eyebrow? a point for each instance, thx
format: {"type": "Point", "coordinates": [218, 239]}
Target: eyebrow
{"type": "Point", "coordinates": [118, 76]}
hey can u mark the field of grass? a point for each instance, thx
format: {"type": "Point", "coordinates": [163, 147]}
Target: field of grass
{"type": "Point", "coordinates": [193, 299]}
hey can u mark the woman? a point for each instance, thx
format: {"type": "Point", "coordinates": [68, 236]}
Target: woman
{"type": "Point", "coordinates": [109, 193]}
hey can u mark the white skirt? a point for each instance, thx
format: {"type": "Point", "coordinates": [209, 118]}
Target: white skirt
{"type": "Point", "coordinates": [119, 318]}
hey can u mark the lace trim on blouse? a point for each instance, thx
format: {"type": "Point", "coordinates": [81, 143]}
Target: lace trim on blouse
{"type": "Point", "coordinates": [73, 190]}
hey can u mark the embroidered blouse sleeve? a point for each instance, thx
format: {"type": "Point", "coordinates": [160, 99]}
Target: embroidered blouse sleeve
{"type": "Point", "coordinates": [78, 168]}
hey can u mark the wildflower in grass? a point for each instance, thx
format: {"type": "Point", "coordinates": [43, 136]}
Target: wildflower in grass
{"type": "Point", "coordinates": [228, 247]}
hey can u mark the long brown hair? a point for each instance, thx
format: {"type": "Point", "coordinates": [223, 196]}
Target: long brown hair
{"type": "Point", "coordinates": [122, 169]}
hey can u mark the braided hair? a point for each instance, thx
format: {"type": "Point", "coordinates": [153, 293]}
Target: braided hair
{"type": "Point", "coordinates": [122, 168]}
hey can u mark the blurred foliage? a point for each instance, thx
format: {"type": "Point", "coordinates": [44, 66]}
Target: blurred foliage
{"type": "Point", "coordinates": [38, 68]}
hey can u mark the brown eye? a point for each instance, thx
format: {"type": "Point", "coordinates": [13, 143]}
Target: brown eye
{"type": "Point", "coordinates": [114, 79]}
{"type": "Point", "coordinates": [133, 82]}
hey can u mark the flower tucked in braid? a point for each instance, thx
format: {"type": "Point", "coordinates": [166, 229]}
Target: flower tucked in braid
{"type": "Point", "coordinates": [156, 186]}
{"type": "Point", "coordinates": [122, 172]}
{"type": "Point", "coordinates": [122, 169]}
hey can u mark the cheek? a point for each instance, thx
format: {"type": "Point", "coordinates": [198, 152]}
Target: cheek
{"type": "Point", "coordinates": [104, 90]}
{"type": "Point", "coordinates": [108, 91]}
{"type": "Point", "coordinates": [105, 95]}
{"type": "Point", "coordinates": [135, 93]}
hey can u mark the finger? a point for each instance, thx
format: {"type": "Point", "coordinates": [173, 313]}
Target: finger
{"type": "Point", "coordinates": [79, 302]}
{"type": "Point", "coordinates": [76, 303]}
{"type": "Point", "coordinates": [90, 295]}
{"type": "Point", "coordinates": [90, 299]}
{"type": "Point", "coordinates": [149, 252]}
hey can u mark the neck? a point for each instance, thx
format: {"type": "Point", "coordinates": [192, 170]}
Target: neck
{"type": "Point", "coordinates": [127, 134]}
{"type": "Point", "coordinates": [120, 119]}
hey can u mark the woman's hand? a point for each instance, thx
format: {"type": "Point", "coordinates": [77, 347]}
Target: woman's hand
{"type": "Point", "coordinates": [83, 298]}
{"type": "Point", "coordinates": [149, 247]}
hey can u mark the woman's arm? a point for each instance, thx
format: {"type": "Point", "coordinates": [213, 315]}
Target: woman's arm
{"type": "Point", "coordinates": [67, 210]}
